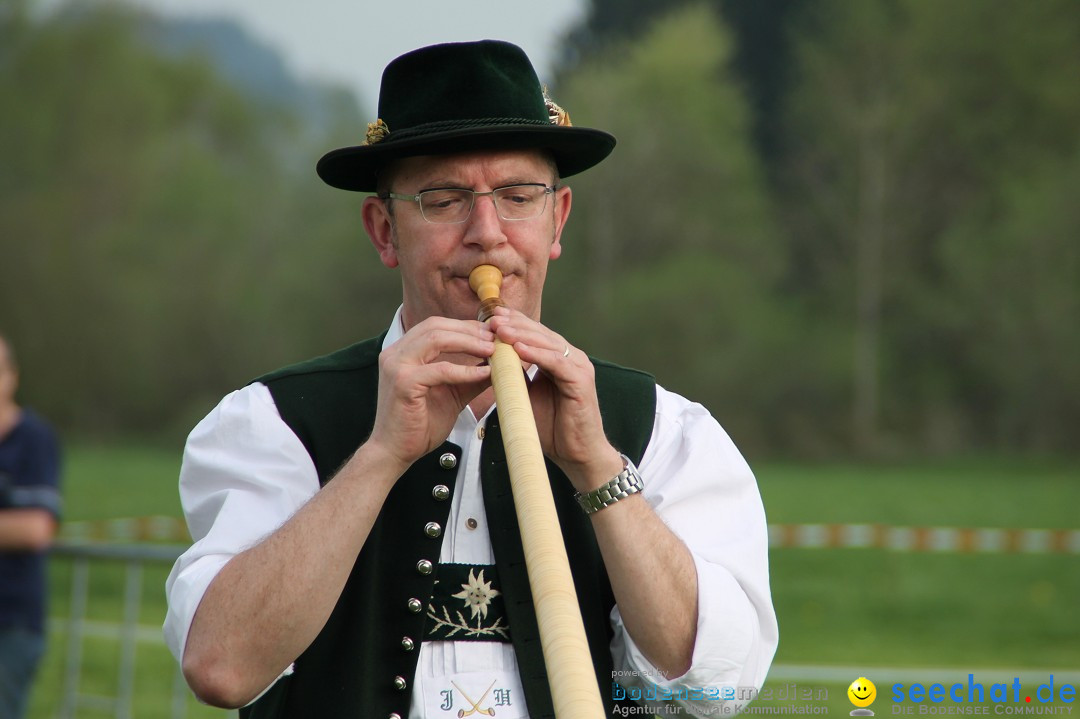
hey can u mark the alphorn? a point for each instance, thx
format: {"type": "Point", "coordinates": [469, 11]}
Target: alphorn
{"type": "Point", "coordinates": [574, 692]}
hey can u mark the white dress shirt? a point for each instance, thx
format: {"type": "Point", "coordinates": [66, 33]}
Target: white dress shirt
{"type": "Point", "coordinates": [244, 473]}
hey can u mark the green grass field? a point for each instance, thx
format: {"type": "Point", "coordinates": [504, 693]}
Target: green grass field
{"type": "Point", "coordinates": [890, 608]}
{"type": "Point", "coordinates": [848, 608]}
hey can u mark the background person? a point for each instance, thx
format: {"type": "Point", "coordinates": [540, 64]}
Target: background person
{"type": "Point", "coordinates": [29, 511]}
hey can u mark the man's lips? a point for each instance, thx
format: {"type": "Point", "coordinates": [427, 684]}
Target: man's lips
{"type": "Point", "coordinates": [506, 277]}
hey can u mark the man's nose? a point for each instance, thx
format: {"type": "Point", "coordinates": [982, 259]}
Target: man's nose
{"type": "Point", "coordinates": [484, 226]}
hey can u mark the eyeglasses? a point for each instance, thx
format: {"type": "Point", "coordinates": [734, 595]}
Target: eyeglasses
{"type": "Point", "coordinates": [448, 206]}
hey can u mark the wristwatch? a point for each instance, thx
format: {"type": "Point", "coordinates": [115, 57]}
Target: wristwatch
{"type": "Point", "coordinates": [621, 486]}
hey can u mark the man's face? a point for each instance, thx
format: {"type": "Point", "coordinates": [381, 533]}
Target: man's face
{"type": "Point", "coordinates": [435, 259]}
{"type": "Point", "coordinates": [9, 378]}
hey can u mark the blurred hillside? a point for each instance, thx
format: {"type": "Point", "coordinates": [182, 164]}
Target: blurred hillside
{"type": "Point", "coordinates": [246, 64]}
{"type": "Point", "coordinates": [845, 228]}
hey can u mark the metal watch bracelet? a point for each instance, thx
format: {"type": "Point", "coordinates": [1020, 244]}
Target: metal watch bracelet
{"type": "Point", "coordinates": [621, 486]}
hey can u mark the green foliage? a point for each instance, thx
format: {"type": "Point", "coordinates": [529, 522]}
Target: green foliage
{"type": "Point", "coordinates": [1021, 268]}
{"type": "Point", "coordinates": [672, 235]}
{"type": "Point", "coordinates": [682, 174]}
{"type": "Point", "coordinates": [910, 130]}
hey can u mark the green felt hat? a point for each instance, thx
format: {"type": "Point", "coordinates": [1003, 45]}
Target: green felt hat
{"type": "Point", "coordinates": [462, 97]}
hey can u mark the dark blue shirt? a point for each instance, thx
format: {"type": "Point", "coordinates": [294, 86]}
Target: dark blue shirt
{"type": "Point", "coordinates": [29, 478]}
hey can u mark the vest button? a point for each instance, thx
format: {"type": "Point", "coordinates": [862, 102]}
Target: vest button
{"type": "Point", "coordinates": [424, 566]}
{"type": "Point", "coordinates": [432, 529]}
{"type": "Point", "coordinates": [400, 684]}
{"type": "Point", "coordinates": [441, 492]}
{"type": "Point", "coordinates": [395, 715]}
{"type": "Point", "coordinates": [448, 461]}
{"type": "Point", "coordinates": [407, 644]}
{"type": "Point", "coordinates": [414, 605]}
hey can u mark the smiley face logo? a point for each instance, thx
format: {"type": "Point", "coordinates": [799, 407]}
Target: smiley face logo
{"type": "Point", "coordinates": [862, 694]}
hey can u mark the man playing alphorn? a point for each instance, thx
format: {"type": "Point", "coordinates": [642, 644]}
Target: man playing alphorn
{"type": "Point", "coordinates": [356, 547]}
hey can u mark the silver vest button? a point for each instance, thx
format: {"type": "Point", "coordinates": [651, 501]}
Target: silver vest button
{"type": "Point", "coordinates": [441, 492]}
{"type": "Point", "coordinates": [414, 605]}
{"type": "Point", "coordinates": [432, 529]}
{"type": "Point", "coordinates": [407, 644]}
{"type": "Point", "coordinates": [448, 461]}
{"type": "Point", "coordinates": [424, 566]}
{"type": "Point", "coordinates": [400, 684]}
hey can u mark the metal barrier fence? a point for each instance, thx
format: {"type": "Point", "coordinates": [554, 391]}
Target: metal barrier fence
{"type": "Point", "coordinates": [83, 546]}
{"type": "Point", "coordinates": [987, 540]}
{"type": "Point", "coordinates": [127, 633]}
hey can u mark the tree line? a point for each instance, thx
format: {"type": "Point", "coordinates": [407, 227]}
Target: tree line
{"type": "Point", "coordinates": [865, 248]}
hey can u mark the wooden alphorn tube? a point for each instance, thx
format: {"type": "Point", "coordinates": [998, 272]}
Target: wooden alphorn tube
{"type": "Point", "coordinates": [574, 692]}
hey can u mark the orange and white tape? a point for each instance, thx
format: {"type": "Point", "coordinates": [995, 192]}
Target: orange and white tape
{"type": "Point", "coordinates": [924, 539]}
{"type": "Point", "coordinates": [781, 536]}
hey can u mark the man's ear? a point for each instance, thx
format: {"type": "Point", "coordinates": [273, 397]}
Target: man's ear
{"type": "Point", "coordinates": [563, 198]}
{"type": "Point", "coordinates": [379, 225]}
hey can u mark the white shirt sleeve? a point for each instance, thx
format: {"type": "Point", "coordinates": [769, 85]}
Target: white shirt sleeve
{"type": "Point", "coordinates": [244, 473]}
{"type": "Point", "coordinates": [700, 485]}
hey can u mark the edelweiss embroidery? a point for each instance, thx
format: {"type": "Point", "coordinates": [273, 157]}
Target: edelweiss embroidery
{"type": "Point", "coordinates": [446, 618]}
{"type": "Point", "coordinates": [477, 594]}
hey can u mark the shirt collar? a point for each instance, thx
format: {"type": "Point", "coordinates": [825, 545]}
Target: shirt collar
{"type": "Point", "coordinates": [397, 329]}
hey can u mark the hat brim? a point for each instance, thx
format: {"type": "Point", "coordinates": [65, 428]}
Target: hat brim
{"type": "Point", "coordinates": [575, 149]}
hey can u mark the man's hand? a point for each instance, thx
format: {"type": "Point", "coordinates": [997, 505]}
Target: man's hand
{"type": "Point", "coordinates": [563, 395]}
{"type": "Point", "coordinates": [425, 379]}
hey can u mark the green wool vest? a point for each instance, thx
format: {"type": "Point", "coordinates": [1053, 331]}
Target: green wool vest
{"type": "Point", "coordinates": [363, 661]}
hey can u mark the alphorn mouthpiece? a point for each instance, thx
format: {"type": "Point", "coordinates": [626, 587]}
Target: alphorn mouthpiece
{"type": "Point", "coordinates": [485, 281]}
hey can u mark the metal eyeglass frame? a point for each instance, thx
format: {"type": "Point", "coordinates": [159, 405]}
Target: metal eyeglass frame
{"type": "Point", "coordinates": [548, 190]}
